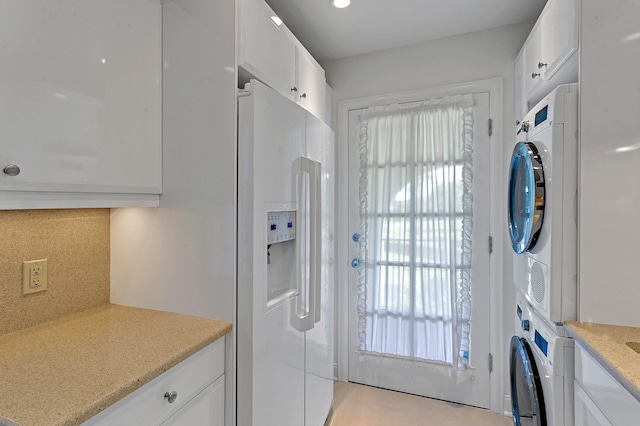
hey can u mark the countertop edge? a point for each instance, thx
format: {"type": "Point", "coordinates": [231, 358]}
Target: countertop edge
{"type": "Point", "coordinates": [7, 422]}
{"type": "Point", "coordinates": [571, 332]}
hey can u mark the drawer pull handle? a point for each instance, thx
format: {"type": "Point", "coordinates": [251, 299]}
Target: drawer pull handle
{"type": "Point", "coordinates": [171, 396]}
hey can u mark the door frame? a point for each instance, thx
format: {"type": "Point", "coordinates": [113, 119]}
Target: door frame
{"type": "Point", "coordinates": [496, 100]}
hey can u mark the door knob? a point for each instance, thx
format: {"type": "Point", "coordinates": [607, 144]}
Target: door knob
{"type": "Point", "coordinates": [11, 170]}
{"type": "Point", "coordinates": [355, 263]}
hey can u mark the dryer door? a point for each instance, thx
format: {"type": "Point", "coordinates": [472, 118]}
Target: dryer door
{"type": "Point", "coordinates": [527, 399]}
{"type": "Point", "coordinates": [526, 197]}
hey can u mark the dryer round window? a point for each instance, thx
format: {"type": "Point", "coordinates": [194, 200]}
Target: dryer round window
{"type": "Point", "coordinates": [526, 197]}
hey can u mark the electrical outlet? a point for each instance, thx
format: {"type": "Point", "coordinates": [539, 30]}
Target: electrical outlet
{"type": "Point", "coordinates": [34, 276]}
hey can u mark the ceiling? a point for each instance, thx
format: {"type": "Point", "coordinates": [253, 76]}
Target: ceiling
{"type": "Point", "coordinates": [370, 25]}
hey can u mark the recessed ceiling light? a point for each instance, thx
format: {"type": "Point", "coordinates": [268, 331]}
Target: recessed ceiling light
{"type": "Point", "coordinates": [340, 4]}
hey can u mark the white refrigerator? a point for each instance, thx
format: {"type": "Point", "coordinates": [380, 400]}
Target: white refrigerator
{"type": "Point", "coordinates": [285, 262]}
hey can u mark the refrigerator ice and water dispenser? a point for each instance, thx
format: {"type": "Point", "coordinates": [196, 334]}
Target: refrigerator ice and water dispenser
{"type": "Point", "coordinates": [281, 256]}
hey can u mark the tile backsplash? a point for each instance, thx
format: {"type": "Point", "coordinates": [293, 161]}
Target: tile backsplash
{"type": "Point", "coordinates": [76, 244]}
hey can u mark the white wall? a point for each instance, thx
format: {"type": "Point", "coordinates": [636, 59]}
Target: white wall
{"type": "Point", "coordinates": [470, 57]}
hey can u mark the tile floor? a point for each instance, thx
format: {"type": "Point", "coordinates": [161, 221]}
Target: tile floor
{"type": "Point", "coordinates": [357, 405]}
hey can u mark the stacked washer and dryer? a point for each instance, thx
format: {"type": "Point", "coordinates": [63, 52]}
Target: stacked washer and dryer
{"type": "Point", "coordinates": [542, 212]}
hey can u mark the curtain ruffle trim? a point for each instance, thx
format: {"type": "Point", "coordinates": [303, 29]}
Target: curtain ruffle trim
{"type": "Point", "coordinates": [462, 101]}
{"type": "Point", "coordinates": [464, 302]}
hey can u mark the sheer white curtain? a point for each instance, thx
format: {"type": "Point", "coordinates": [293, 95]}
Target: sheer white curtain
{"type": "Point", "coordinates": [415, 224]}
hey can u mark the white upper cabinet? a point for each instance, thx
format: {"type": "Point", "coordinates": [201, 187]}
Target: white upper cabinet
{"type": "Point", "coordinates": [558, 35]}
{"type": "Point", "coordinates": [269, 52]}
{"type": "Point", "coordinates": [310, 83]}
{"type": "Point", "coordinates": [266, 50]}
{"type": "Point", "coordinates": [531, 65]}
{"type": "Point", "coordinates": [547, 58]}
{"type": "Point", "coordinates": [80, 102]}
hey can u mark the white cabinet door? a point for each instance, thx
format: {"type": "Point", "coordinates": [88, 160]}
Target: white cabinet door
{"type": "Point", "coordinates": [532, 70]}
{"type": "Point", "coordinates": [558, 35]}
{"type": "Point", "coordinates": [547, 58]}
{"type": "Point", "coordinates": [80, 95]}
{"type": "Point", "coordinates": [310, 83]}
{"type": "Point", "coordinates": [587, 412]}
{"type": "Point", "coordinates": [606, 393]}
{"type": "Point", "coordinates": [269, 52]}
{"type": "Point", "coordinates": [207, 408]}
{"type": "Point", "coordinates": [266, 52]}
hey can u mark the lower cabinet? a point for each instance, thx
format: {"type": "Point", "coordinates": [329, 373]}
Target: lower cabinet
{"type": "Point", "coordinates": [599, 398]}
{"type": "Point", "coordinates": [207, 408]}
{"type": "Point", "coordinates": [587, 412]}
{"type": "Point", "coordinates": [191, 393]}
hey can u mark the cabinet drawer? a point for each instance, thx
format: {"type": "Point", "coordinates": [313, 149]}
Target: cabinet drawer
{"type": "Point", "coordinates": [615, 402]}
{"type": "Point", "coordinates": [207, 408]}
{"type": "Point", "coordinates": [148, 404]}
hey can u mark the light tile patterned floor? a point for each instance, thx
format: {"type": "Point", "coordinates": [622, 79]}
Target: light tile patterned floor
{"type": "Point", "coordinates": [357, 405]}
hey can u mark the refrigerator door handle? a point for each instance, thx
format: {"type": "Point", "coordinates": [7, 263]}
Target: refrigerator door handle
{"type": "Point", "coordinates": [315, 274]}
{"type": "Point", "coordinates": [306, 304]}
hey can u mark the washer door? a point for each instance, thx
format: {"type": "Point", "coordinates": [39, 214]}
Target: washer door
{"type": "Point", "coordinates": [527, 400]}
{"type": "Point", "coordinates": [526, 197]}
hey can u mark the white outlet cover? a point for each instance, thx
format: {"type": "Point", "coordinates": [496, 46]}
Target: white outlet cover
{"type": "Point", "coordinates": [27, 268]}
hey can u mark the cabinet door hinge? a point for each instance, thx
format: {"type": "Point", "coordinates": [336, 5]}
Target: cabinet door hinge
{"type": "Point", "coordinates": [490, 244]}
{"type": "Point", "coordinates": [490, 362]}
{"type": "Point", "coordinates": [490, 127]}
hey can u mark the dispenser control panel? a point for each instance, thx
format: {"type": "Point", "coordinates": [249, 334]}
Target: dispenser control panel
{"type": "Point", "coordinates": [281, 226]}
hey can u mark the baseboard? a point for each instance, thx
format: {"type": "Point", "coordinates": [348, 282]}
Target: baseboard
{"type": "Point", "coordinates": [506, 406]}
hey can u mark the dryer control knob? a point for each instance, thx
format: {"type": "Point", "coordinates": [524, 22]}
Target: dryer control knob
{"type": "Point", "coordinates": [525, 325]}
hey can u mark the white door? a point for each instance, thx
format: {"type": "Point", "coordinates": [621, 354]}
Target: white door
{"type": "Point", "coordinates": [417, 374]}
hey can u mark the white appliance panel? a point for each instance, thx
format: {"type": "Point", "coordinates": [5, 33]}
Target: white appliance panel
{"type": "Point", "coordinates": [285, 340]}
{"type": "Point", "coordinates": [270, 351]}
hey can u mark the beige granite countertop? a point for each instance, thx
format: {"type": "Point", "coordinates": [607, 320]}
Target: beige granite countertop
{"type": "Point", "coordinates": [608, 345]}
{"type": "Point", "coordinates": [65, 371]}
